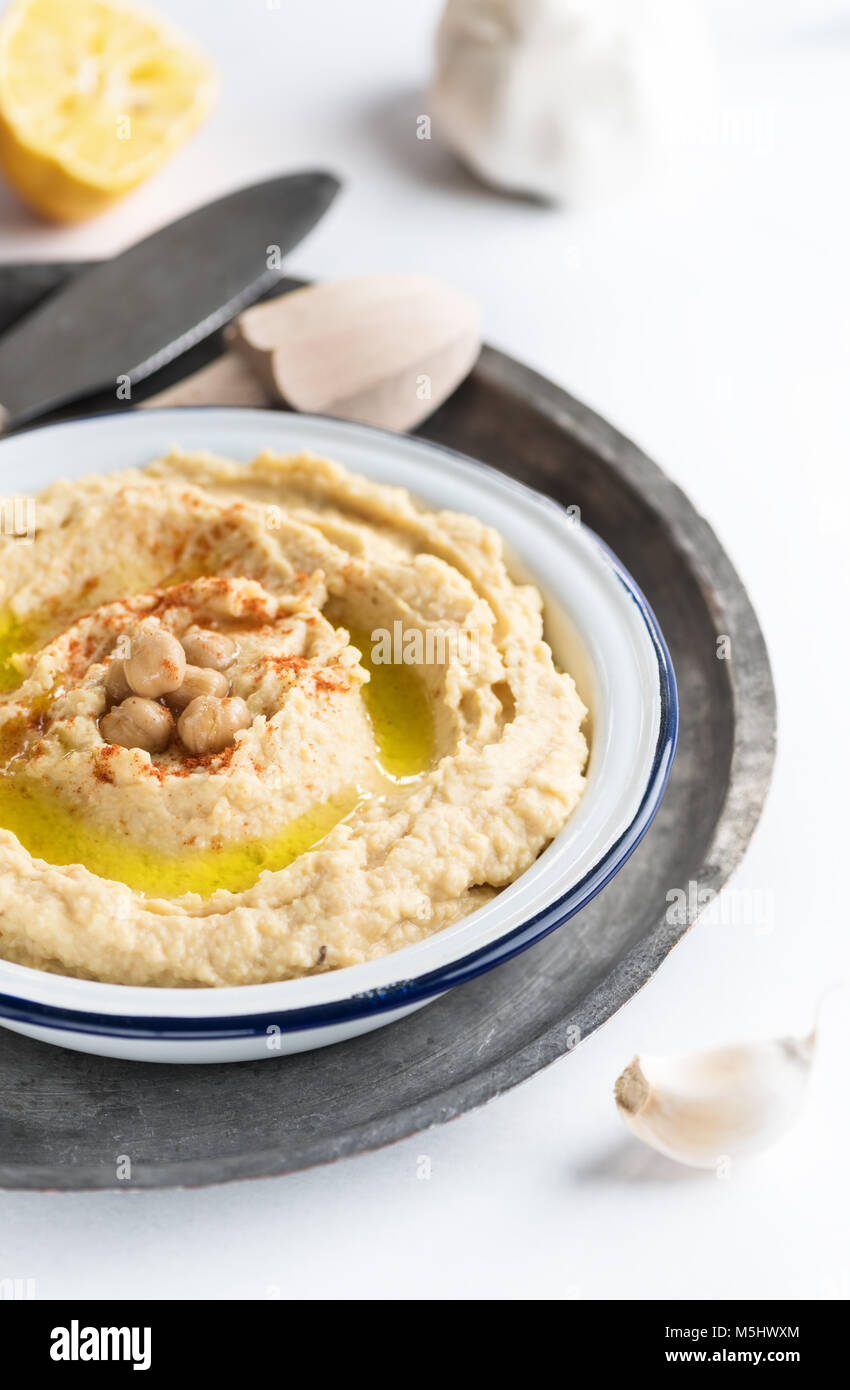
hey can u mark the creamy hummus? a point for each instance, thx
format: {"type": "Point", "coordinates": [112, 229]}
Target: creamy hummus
{"type": "Point", "coordinates": [378, 789]}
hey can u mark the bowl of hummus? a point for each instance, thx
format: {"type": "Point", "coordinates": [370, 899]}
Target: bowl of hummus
{"type": "Point", "coordinates": [301, 725]}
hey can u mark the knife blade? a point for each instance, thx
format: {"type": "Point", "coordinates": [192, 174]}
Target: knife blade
{"type": "Point", "coordinates": [129, 316]}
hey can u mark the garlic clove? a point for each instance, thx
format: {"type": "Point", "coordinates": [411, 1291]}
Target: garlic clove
{"type": "Point", "coordinates": [724, 1103]}
{"type": "Point", "coordinates": [381, 349]}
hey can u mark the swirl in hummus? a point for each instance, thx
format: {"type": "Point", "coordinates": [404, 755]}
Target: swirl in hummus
{"type": "Point", "coordinates": [357, 808]}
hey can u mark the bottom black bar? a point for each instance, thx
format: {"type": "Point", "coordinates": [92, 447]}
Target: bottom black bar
{"type": "Point", "coordinates": [88, 1340]}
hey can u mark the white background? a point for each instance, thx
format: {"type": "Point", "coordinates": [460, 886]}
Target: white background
{"type": "Point", "coordinates": [706, 314]}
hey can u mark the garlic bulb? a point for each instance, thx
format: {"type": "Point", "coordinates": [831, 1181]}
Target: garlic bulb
{"type": "Point", "coordinates": [710, 1106]}
{"type": "Point", "coordinates": [566, 99]}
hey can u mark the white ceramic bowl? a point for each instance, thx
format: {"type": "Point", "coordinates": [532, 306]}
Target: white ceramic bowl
{"type": "Point", "coordinates": [600, 628]}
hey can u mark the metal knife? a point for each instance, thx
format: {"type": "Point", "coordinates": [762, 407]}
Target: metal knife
{"type": "Point", "coordinates": [128, 317]}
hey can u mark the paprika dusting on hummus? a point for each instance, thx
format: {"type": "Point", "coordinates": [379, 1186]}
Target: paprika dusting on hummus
{"type": "Point", "coordinates": [210, 774]}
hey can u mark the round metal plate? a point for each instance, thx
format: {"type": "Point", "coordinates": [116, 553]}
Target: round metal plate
{"type": "Point", "coordinates": [65, 1117]}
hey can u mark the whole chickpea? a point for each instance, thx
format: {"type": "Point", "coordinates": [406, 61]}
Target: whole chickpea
{"type": "Point", "coordinates": [138, 723]}
{"type": "Point", "coordinates": [203, 647]}
{"type": "Point", "coordinates": [198, 680]}
{"type": "Point", "coordinates": [115, 685]}
{"type": "Point", "coordinates": [156, 664]}
{"type": "Point", "coordinates": [208, 724]}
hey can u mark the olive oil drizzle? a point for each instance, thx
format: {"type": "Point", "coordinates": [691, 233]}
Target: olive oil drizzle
{"type": "Point", "coordinates": [400, 714]}
{"type": "Point", "coordinates": [15, 638]}
{"type": "Point", "coordinates": [50, 831]}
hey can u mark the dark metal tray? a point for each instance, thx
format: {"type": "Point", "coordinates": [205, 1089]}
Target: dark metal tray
{"type": "Point", "coordinates": [65, 1117]}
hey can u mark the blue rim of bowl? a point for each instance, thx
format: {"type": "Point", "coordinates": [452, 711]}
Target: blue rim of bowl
{"type": "Point", "coordinates": [407, 993]}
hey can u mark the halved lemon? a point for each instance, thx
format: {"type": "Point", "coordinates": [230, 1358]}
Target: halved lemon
{"type": "Point", "coordinates": [94, 96]}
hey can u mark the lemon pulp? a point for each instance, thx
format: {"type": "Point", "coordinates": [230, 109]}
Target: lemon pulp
{"type": "Point", "coordinates": [94, 96]}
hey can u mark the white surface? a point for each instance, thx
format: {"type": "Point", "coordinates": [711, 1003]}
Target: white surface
{"type": "Point", "coordinates": [707, 318]}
